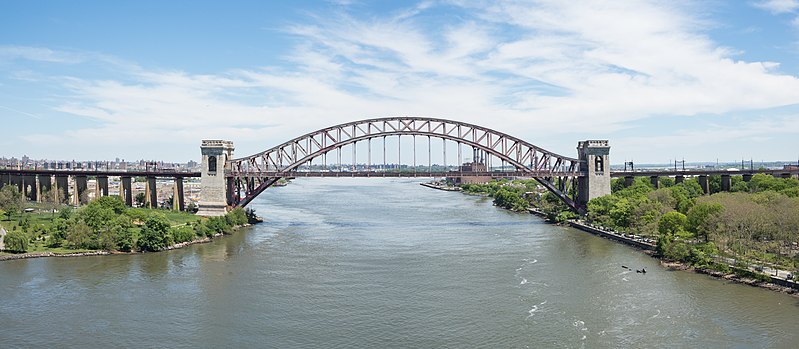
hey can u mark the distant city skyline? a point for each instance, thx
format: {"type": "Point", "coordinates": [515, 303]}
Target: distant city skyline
{"type": "Point", "coordinates": [693, 80]}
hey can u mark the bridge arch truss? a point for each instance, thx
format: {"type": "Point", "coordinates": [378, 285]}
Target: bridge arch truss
{"type": "Point", "coordinates": [251, 175]}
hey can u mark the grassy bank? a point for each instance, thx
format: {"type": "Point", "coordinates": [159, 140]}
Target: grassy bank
{"type": "Point", "coordinates": [106, 224]}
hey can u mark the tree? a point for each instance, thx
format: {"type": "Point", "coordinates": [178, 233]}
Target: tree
{"type": "Point", "coordinates": [672, 223]}
{"type": "Point", "coordinates": [16, 241]}
{"type": "Point", "coordinates": [58, 232]}
{"type": "Point", "coordinates": [50, 201]}
{"type": "Point", "coordinates": [126, 236]}
{"type": "Point", "coordinates": [140, 198]}
{"type": "Point", "coordinates": [699, 219]}
{"type": "Point", "coordinates": [11, 200]}
{"type": "Point", "coordinates": [79, 235]}
{"type": "Point", "coordinates": [155, 233]}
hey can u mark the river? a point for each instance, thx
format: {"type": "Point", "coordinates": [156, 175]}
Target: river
{"type": "Point", "coordinates": [385, 263]}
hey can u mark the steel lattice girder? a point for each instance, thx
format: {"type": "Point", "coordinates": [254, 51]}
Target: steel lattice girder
{"type": "Point", "coordinates": [525, 157]}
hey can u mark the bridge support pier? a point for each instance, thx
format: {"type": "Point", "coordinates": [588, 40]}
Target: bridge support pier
{"type": "Point", "coordinates": [785, 175]}
{"type": "Point", "coordinates": [704, 184]}
{"type": "Point", "coordinates": [628, 181]}
{"type": "Point", "coordinates": [747, 177]}
{"type": "Point", "coordinates": [151, 193]}
{"type": "Point", "coordinates": [726, 182]}
{"type": "Point", "coordinates": [215, 191]}
{"type": "Point", "coordinates": [595, 155]}
{"type": "Point", "coordinates": [101, 189]}
{"type": "Point", "coordinates": [125, 190]}
{"type": "Point", "coordinates": [177, 195]}
{"type": "Point", "coordinates": [655, 180]}
{"type": "Point", "coordinates": [5, 179]}
{"type": "Point", "coordinates": [679, 179]}
{"type": "Point", "coordinates": [62, 188]}
{"type": "Point", "coordinates": [81, 193]}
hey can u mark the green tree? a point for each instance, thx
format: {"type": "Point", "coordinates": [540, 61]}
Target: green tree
{"type": "Point", "coordinates": [11, 200]}
{"type": "Point", "coordinates": [672, 223]}
{"type": "Point", "coordinates": [699, 219]}
{"type": "Point", "coordinates": [79, 235]}
{"type": "Point", "coordinates": [58, 232]}
{"type": "Point", "coordinates": [140, 199]}
{"type": "Point", "coordinates": [16, 241]}
{"type": "Point", "coordinates": [155, 234]}
{"type": "Point", "coordinates": [126, 236]}
{"type": "Point", "coordinates": [621, 213]}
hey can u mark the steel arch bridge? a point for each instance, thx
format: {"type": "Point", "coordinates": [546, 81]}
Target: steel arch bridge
{"type": "Point", "coordinates": [249, 176]}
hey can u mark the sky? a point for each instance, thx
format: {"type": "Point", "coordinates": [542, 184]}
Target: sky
{"type": "Point", "coordinates": [661, 80]}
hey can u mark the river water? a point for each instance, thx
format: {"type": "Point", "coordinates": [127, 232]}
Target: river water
{"type": "Point", "coordinates": [385, 263]}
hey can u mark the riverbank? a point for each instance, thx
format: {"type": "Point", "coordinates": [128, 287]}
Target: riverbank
{"type": "Point", "coordinates": [28, 255]}
{"type": "Point", "coordinates": [438, 186]}
{"type": "Point", "coordinates": [648, 246]}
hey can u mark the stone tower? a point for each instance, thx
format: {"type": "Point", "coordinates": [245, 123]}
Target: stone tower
{"type": "Point", "coordinates": [595, 155]}
{"type": "Point", "coordinates": [214, 198]}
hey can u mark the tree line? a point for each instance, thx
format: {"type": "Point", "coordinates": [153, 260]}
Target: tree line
{"type": "Point", "coordinates": [756, 221]}
{"type": "Point", "coordinates": [107, 224]}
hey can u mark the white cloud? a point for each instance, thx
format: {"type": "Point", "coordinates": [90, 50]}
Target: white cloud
{"type": "Point", "coordinates": [778, 6]}
{"type": "Point", "coordinates": [36, 54]}
{"type": "Point", "coordinates": [529, 68]}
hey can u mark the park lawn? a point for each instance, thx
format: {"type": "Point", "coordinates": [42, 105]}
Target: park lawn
{"type": "Point", "coordinates": [43, 219]}
{"type": "Point", "coordinates": [174, 217]}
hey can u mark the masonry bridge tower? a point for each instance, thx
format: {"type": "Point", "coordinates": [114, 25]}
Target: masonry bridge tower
{"type": "Point", "coordinates": [215, 193]}
{"type": "Point", "coordinates": [594, 158]}
{"type": "Point", "coordinates": [227, 182]}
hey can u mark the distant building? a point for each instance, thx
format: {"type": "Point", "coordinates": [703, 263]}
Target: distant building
{"type": "Point", "coordinates": [477, 165]}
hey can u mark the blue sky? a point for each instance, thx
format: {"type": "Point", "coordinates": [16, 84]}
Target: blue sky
{"type": "Point", "coordinates": [699, 80]}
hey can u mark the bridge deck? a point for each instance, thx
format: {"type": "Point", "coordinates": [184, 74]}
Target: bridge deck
{"type": "Point", "coordinates": [701, 172]}
{"type": "Point", "coordinates": [130, 173]}
{"type": "Point", "coordinates": [494, 174]}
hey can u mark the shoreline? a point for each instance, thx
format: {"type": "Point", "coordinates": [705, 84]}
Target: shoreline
{"type": "Point", "coordinates": [29, 255]}
{"type": "Point", "coordinates": [648, 248]}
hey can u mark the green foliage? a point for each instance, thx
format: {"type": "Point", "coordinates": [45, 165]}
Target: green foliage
{"type": "Point", "coordinates": [217, 225]}
{"type": "Point", "coordinates": [155, 234]}
{"type": "Point", "coordinates": [510, 199]}
{"type": "Point", "coordinates": [672, 223]}
{"type": "Point", "coordinates": [16, 241]}
{"type": "Point", "coordinates": [11, 200]}
{"type": "Point", "coordinates": [202, 230]}
{"type": "Point", "coordinates": [702, 218]}
{"type": "Point", "coordinates": [113, 203]}
{"type": "Point", "coordinates": [58, 232]}
{"type": "Point", "coordinates": [140, 199]}
{"type": "Point", "coordinates": [237, 216]}
{"type": "Point", "coordinates": [183, 234]}
{"type": "Point", "coordinates": [65, 213]}
{"type": "Point", "coordinates": [621, 213]}
{"type": "Point", "coordinates": [79, 235]}
{"type": "Point", "coordinates": [564, 216]}
{"type": "Point", "coordinates": [599, 209]}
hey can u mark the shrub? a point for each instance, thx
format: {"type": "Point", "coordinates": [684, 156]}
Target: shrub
{"type": "Point", "coordinates": [16, 241]}
{"type": "Point", "coordinates": [183, 234]}
{"type": "Point", "coordinates": [155, 234]}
